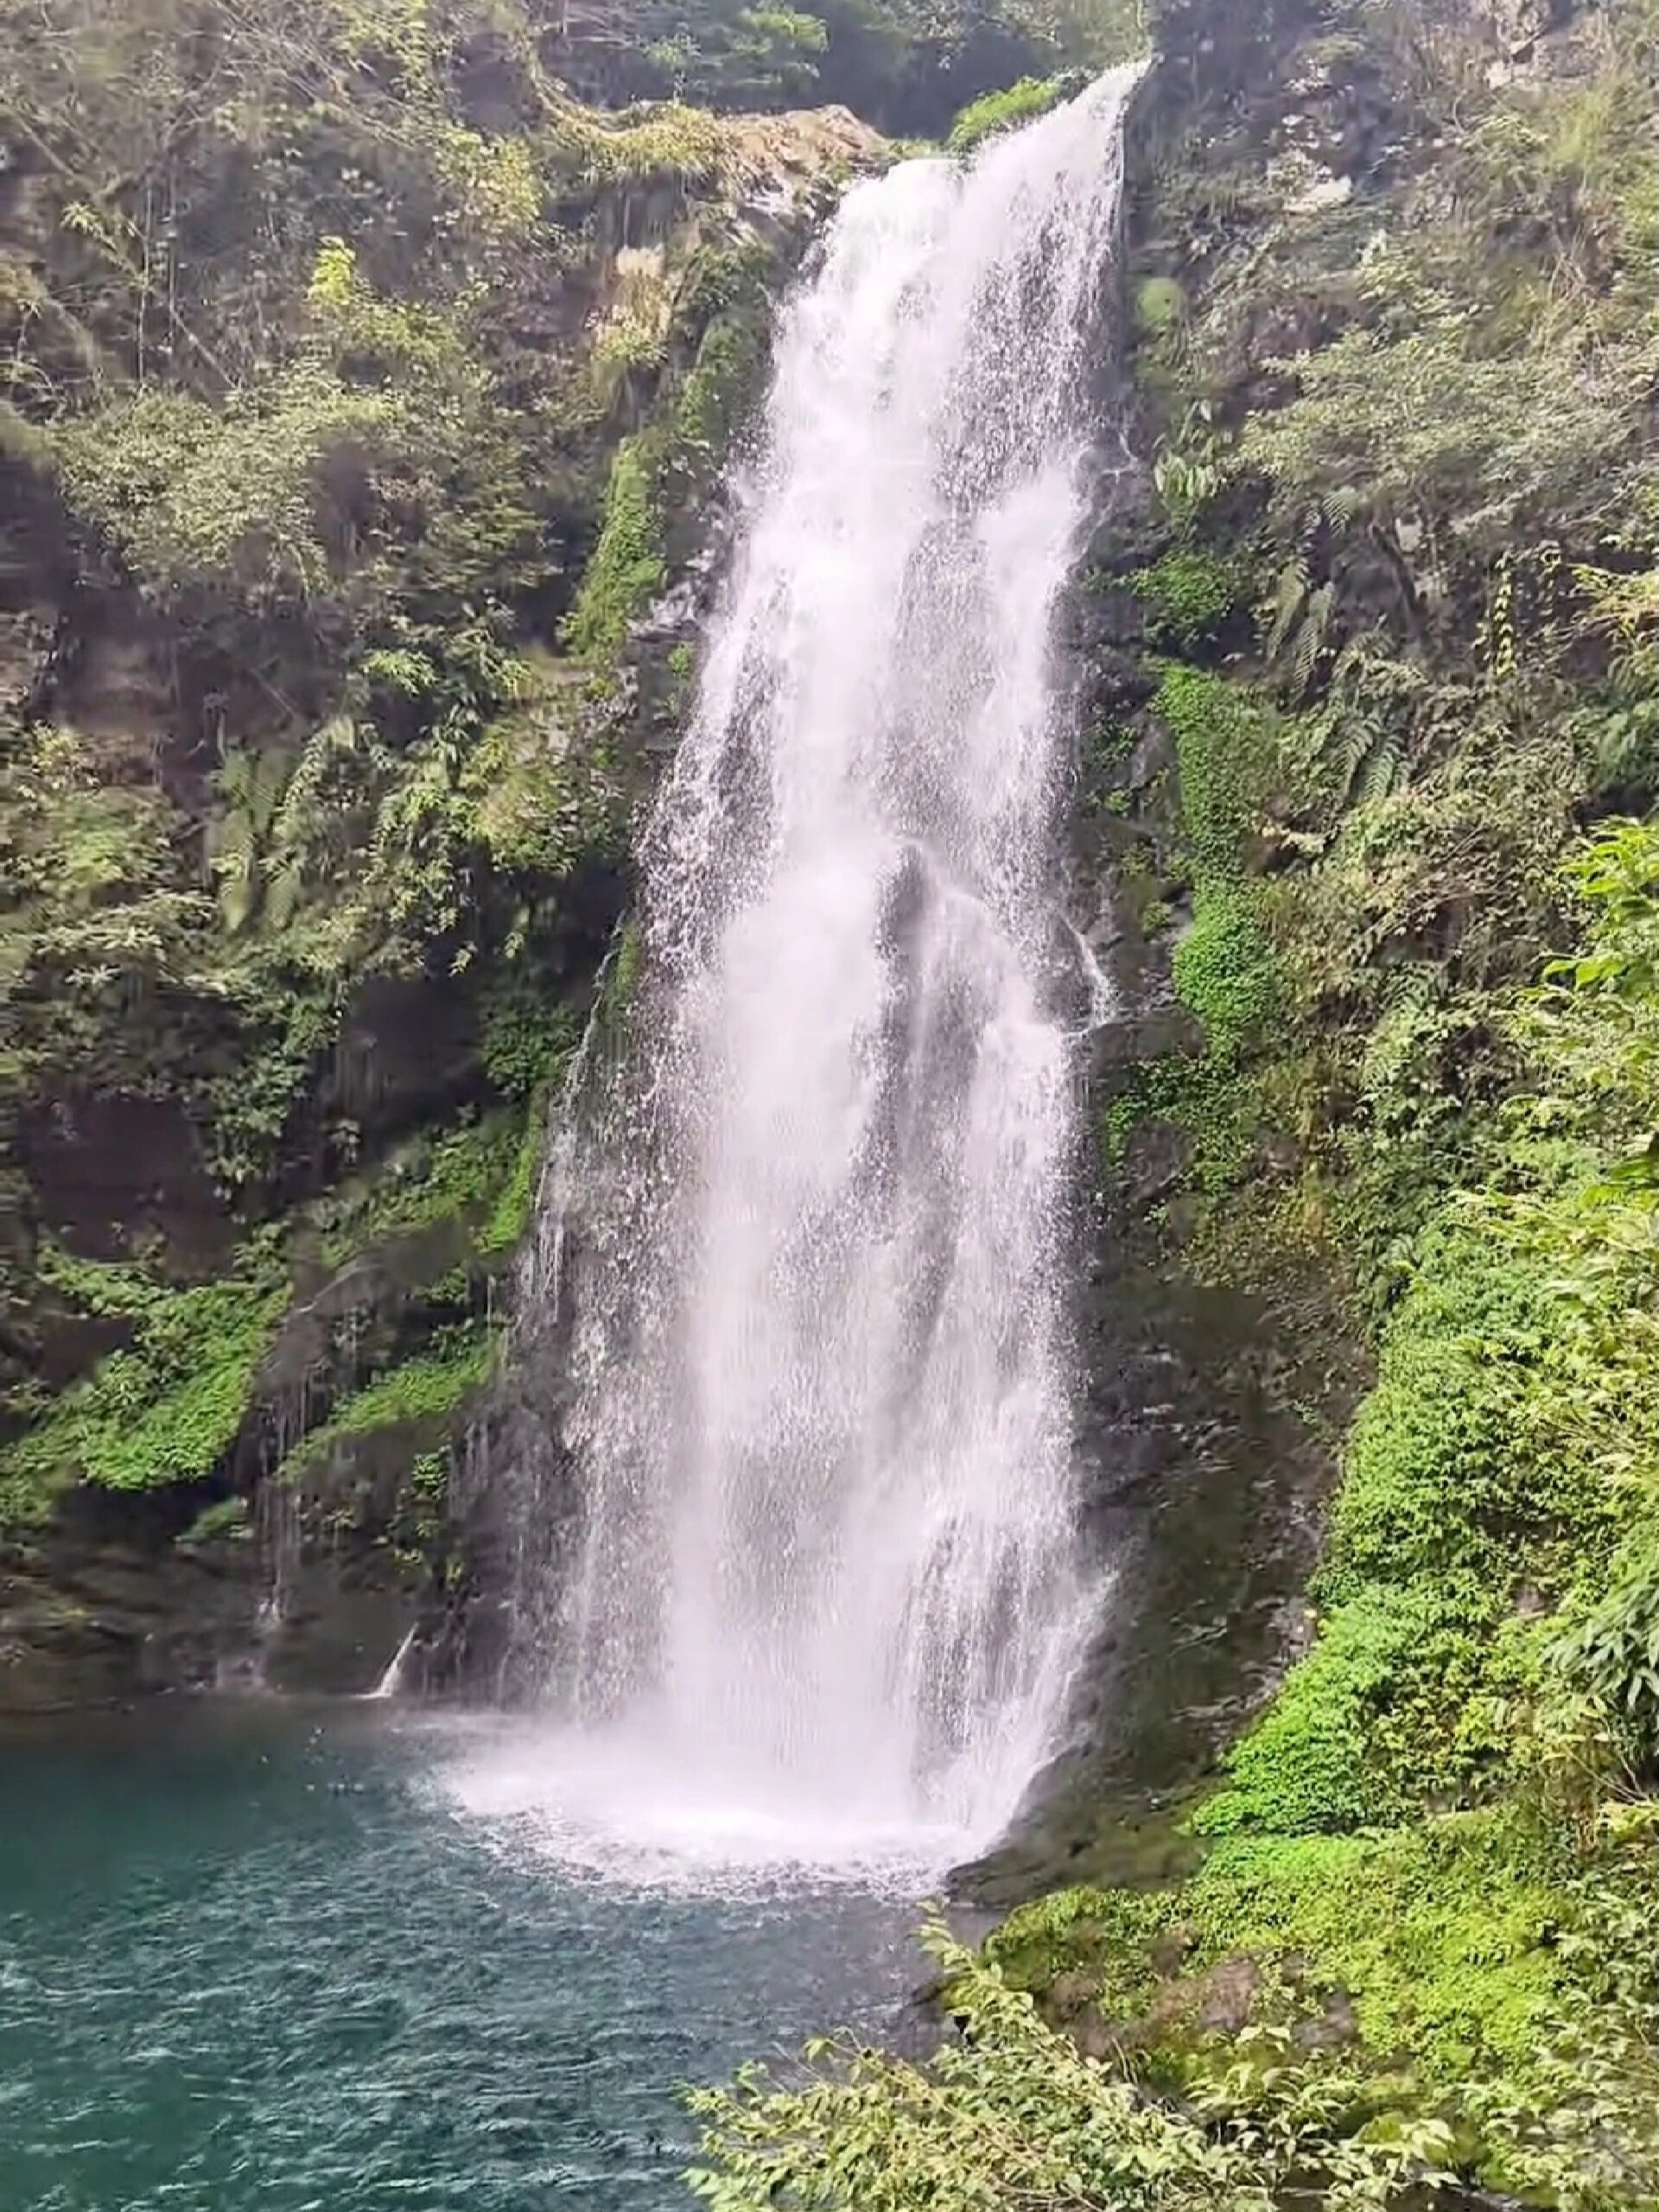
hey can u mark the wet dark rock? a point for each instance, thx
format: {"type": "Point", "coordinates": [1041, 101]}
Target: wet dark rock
{"type": "Point", "coordinates": [107, 1168]}
{"type": "Point", "coordinates": [113, 1602]}
{"type": "Point", "coordinates": [108, 1605]}
{"type": "Point", "coordinates": [1207, 1411]}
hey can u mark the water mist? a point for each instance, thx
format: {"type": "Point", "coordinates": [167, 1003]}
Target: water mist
{"type": "Point", "coordinates": [801, 1264]}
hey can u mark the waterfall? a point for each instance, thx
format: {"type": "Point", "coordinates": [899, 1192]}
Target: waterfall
{"type": "Point", "coordinates": [802, 1268]}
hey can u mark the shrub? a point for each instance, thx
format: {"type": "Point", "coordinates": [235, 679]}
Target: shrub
{"type": "Point", "coordinates": [431, 1388]}
{"type": "Point", "coordinates": [1009, 2114]}
{"type": "Point", "coordinates": [1444, 1935]}
{"type": "Point", "coordinates": [627, 566]}
{"type": "Point", "coordinates": [165, 1409]}
{"type": "Point", "coordinates": [1188, 596]}
{"type": "Point", "coordinates": [1377, 1721]}
{"type": "Point", "coordinates": [1455, 1465]}
{"type": "Point", "coordinates": [996, 112]}
{"type": "Point", "coordinates": [1225, 969]}
{"type": "Point", "coordinates": [1226, 754]}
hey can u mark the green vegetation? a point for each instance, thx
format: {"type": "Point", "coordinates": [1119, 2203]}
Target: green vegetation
{"type": "Point", "coordinates": [459, 1174]}
{"type": "Point", "coordinates": [1433, 1802]}
{"type": "Point", "coordinates": [1445, 1937]}
{"type": "Point", "coordinates": [1187, 595]}
{"type": "Point", "coordinates": [1004, 111]}
{"type": "Point", "coordinates": [628, 564]}
{"type": "Point", "coordinates": [166, 1408]}
{"type": "Point", "coordinates": [513, 1211]}
{"type": "Point", "coordinates": [1224, 968]}
{"type": "Point", "coordinates": [1224, 757]}
{"type": "Point", "coordinates": [1011, 2114]}
{"type": "Point", "coordinates": [227, 1520]}
{"type": "Point", "coordinates": [676, 455]}
{"type": "Point", "coordinates": [415, 1396]}
{"type": "Point", "coordinates": [1414, 832]}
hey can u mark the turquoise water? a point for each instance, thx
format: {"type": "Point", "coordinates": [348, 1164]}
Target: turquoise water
{"type": "Point", "coordinates": [256, 1961]}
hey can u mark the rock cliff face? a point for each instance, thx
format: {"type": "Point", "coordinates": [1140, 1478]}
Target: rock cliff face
{"type": "Point", "coordinates": [362, 394]}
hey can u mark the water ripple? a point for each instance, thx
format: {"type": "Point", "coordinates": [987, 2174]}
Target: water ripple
{"type": "Point", "coordinates": [249, 1966]}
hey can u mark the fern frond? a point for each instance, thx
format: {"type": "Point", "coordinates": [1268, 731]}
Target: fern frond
{"type": "Point", "coordinates": [1309, 638]}
{"type": "Point", "coordinates": [285, 892]}
{"type": "Point", "coordinates": [1290, 592]}
{"type": "Point", "coordinates": [240, 881]}
{"type": "Point", "coordinates": [1357, 748]}
{"type": "Point", "coordinates": [1383, 771]}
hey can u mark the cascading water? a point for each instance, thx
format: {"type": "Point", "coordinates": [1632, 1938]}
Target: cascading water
{"type": "Point", "coordinates": [802, 1270]}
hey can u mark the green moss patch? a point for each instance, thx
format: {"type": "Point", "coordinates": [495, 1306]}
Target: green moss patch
{"type": "Point", "coordinates": [628, 564]}
{"type": "Point", "coordinates": [167, 1406]}
{"type": "Point", "coordinates": [1188, 596]}
{"type": "Point", "coordinates": [421, 1395]}
{"type": "Point", "coordinates": [457, 1174]}
{"type": "Point", "coordinates": [994, 113]}
{"type": "Point", "coordinates": [1445, 1939]}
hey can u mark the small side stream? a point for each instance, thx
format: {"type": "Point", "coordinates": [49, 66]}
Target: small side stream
{"type": "Point", "coordinates": [254, 1959]}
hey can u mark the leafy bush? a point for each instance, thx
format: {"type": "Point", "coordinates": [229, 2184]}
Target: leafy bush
{"type": "Point", "coordinates": [628, 563]}
{"type": "Point", "coordinates": [1224, 968]}
{"type": "Point", "coordinates": [448, 1174]}
{"type": "Point", "coordinates": [1444, 1935]}
{"type": "Point", "coordinates": [1010, 2115]}
{"type": "Point", "coordinates": [198, 495]}
{"type": "Point", "coordinates": [1606, 1649]}
{"type": "Point", "coordinates": [430, 1388]}
{"type": "Point", "coordinates": [1188, 596]}
{"type": "Point", "coordinates": [169, 1406]}
{"type": "Point", "coordinates": [1386, 428]}
{"type": "Point", "coordinates": [527, 1043]}
{"type": "Point", "coordinates": [996, 112]}
{"type": "Point", "coordinates": [1104, 1936]}
{"type": "Point", "coordinates": [1226, 753]}
{"type": "Point", "coordinates": [1443, 1473]}
{"type": "Point", "coordinates": [1380, 1719]}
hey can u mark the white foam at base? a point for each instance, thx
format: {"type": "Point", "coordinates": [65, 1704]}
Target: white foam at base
{"type": "Point", "coordinates": [574, 1798]}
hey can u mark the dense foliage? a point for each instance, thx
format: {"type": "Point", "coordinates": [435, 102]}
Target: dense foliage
{"type": "Point", "coordinates": [1397, 340]}
{"type": "Point", "coordinates": [354, 373]}
{"type": "Point", "coordinates": [1012, 2115]}
{"type": "Point", "coordinates": [1453, 505]}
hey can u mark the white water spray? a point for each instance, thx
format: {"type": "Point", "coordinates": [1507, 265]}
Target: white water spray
{"type": "Point", "coordinates": [803, 1277]}
{"type": "Point", "coordinates": [391, 1683]}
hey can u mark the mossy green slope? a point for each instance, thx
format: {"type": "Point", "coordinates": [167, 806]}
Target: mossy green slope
{"type": "Point", "coordinates": [1383, 781]}
{"type": "Point", "coordinates": [1400, 643]}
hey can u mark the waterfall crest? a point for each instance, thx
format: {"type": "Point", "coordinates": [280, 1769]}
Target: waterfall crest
{"type": "Point", "coordinates": [802, 1268]}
